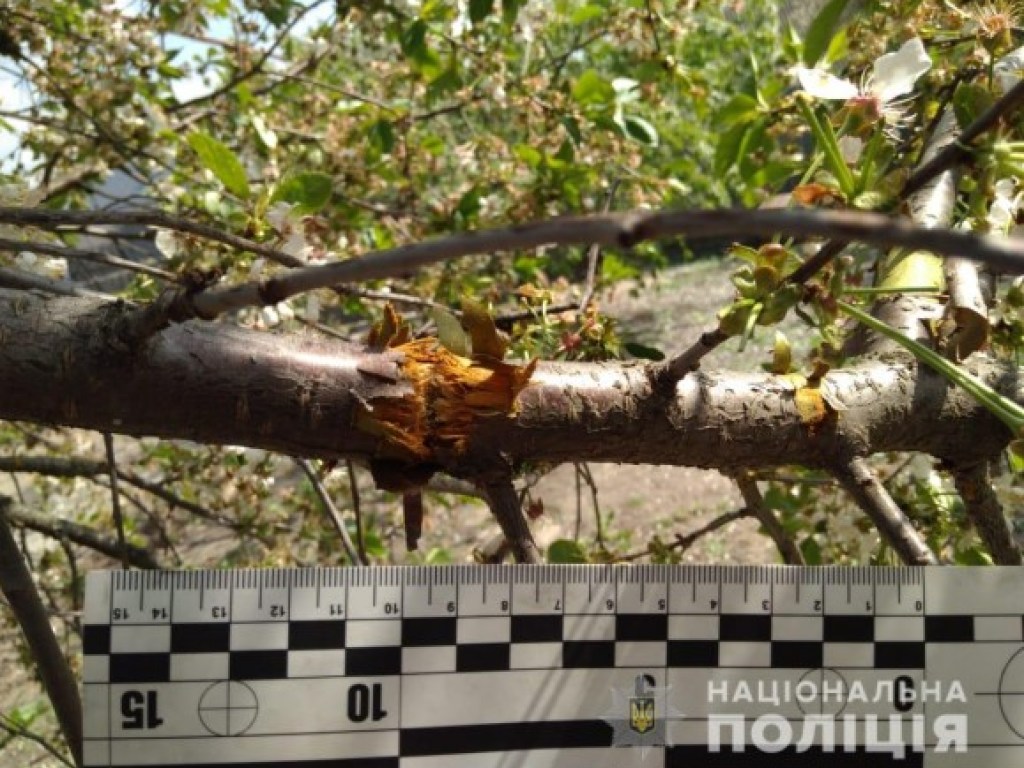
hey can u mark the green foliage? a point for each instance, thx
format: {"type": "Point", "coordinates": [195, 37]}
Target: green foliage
{"type": "Point", "coordinates": [309, 191]}
{"type": "Point", "coordinates": [221, 161]}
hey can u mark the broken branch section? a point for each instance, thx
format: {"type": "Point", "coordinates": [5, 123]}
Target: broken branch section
{"type": "Point", "coordinates": [431, 423]}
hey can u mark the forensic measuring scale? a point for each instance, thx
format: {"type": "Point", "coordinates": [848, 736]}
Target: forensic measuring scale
{"type": "Point", "coordinates": [582, 666]}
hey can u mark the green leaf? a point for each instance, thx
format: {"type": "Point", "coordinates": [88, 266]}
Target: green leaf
{"type": "Point", "coordinates": [277, 12]}
{"type": "Point", "coordinates": [1003, 408]}
{"type": "Point", "coordinates": [510, 10]}
{"type": "Point", "coordinates": [221, 161]}
{"type": "Point", "coordinates": [820, 33]}
{"type": "Point", "coordinates": [480, 10]}
{"type": "Point", "coordinates": [727, 150]}
{"type": "Point", "coordinates": [741, 108]}
{"type": "Point", "coordinates": [829, 145]}
{"type": "Point", "coordinates": [586, 13]}
{"type": "Point", "coordinates": [382, 136]}
{"type": "Point", "coordinates": [640, 130]}
{"type": "Point", "coordinates": [309, 191]}
{"type": "Point", "coordinates": [528, 154]}
{"type": "Point", "coordinates": [450, 333]}
{"type": "Point", "coordinates": [566, 551]}
{"type": "Point", "coordinates": [591, 88]}
{"type": "Point", "coordinates": [414, 40]}
{"type": "Point", "coordinates": [642, 351]}
{"type": "Point", "coordinates": [970, 101]}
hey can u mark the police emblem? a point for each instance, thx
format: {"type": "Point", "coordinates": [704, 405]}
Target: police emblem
{"type": "Point", "coordinates": [640, 715]}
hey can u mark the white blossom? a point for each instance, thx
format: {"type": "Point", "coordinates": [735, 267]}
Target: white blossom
{"type": "Point", "coordinates": [167, 243]}
{"type": "Point", "coordinates": [892, 77]}
{"type": "Point", "coordinates": [1006, 204]}
{"type": "Point", "coordinates": [51, 267]}
{"type": "Point", "coordinates": [850, 147]}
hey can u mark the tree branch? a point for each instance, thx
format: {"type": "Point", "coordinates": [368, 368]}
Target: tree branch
{"type": "Point", "coordinates": [115, 498]}
{"type": "Point", "coordinates": [58, 680]}
{"type": "Point", "coordinates": [332, 512]}
{"type": "Point", "coordinates": [791, 554]}
{"type": "Point", "coordinates": [621, 229]}
{"type": "Point", "coordinates": [683, 543]}
{"type": "Point", "coordinates": [97, 257]}
{"type": "Point", "coordinates": [306, 395]}
{"type": "Point", "coordinates": [504, 503]}
{"type": "Point", "coordinates": [59, 528]}
{"type": "Point", "coordinates": [59, 466]}
{"type": "Point", "coordinates": [986, 513]}
{"type": "Point", "coordinates": [897, 530]}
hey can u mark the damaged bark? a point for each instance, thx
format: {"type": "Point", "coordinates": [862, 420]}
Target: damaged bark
{"type": "Point", "coordinates": [422, 407]}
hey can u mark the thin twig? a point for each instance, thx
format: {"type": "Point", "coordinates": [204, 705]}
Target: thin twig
{"type": "Point", "coordinates": [583, 470]}
{"type": "Point", "coordinates": [255, 69]}
{"type": "Point", "coordinates": [791, 554]}
{"type": "Point", "coordinates": [115, 499]}
{"type": "Point", "coordinates": [665, 375]}
{"type": "Point", "coordinates": [18, 280]}
{"type": "Point", "coordinates": [683, 543]}
{"type": "Point", "coordinates": [894, 526]}
{"type": "Point", "coordinates": [56, 220]}
{"type": "Point", "coordinates": [594, 254]}
{"type": "Point", "coordinates": [354, 555]}
{"type": "Point", "coordinates": [620, 229]}
{"type": "Point", "coordinates": [504, 504]}
{"type": "Point", "coordinates": [58, 466]}
{"type": "Point", "coordinates": [21, 732]}
{"type": "Point", "coordinates": [986, 513]}
{"type": "Point", "coordinates": [960, 150]}
{"type": "Point", "coordinates": [97, 257]}
{"type": "Point", "coordinates": [357, 509]}
{"type": "Point", "coordinates": [54, 670]}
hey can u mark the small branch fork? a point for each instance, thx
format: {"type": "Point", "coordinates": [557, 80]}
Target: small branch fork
{"type": "Point", "coordinates": [23, 598]}
{"type": "Point", "coordinates": [870, 495]}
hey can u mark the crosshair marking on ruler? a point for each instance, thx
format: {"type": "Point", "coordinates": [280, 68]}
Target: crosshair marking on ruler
{"type": "Point", "coordinates": [820, 704]}
{"type": "Point", "coordinates": [228, 708]}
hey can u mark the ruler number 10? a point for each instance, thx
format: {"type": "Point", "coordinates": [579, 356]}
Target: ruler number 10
{"type": "Point", "coordinates": [366, 701]}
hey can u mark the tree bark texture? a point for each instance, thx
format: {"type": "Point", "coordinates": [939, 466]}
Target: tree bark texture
{"type": "Point", "coordinates": [62, 362]}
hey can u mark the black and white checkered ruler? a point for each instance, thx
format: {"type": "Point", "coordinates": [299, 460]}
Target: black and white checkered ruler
{"type": "Point", "coordinates": [583, 666]}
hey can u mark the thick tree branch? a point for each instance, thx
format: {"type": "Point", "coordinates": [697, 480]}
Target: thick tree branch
{"type": "Point", "coordinates": [58, 679]}
{"type": "Point", "coordinates": [897, 530]}
{"type": "Point", "coordinates": [986, 513]}
{"type": "Point", "coordinates": [318, 397]}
